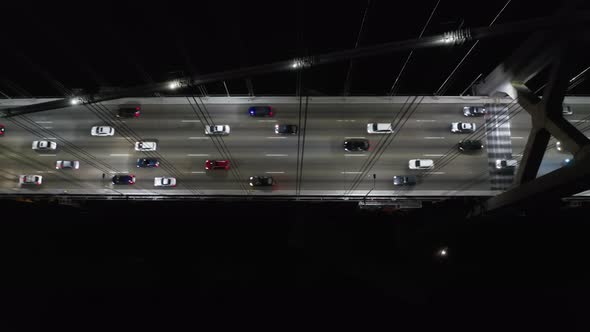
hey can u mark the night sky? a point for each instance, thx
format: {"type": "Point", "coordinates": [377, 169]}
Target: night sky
{"type": "Point", "coordinates": [280, 266]}
{"type": "Point", "coordinates": [50, 49]}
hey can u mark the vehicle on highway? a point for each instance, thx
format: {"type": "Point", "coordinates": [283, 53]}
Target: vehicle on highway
{"type": "Point", "coordinates": [148, 162]}
{"type": "Point", "coordinates": [102, 131]}
{"type": "Point", "coordinates": [285, 129]}
{"type": "Point", "coordinates": [129, 112]}
{"type": "Point", "coordinates": [558, 146]}
{"type": "Point", "coordinates": [379, 128]}
{"type": "Point", "coordinates": [217, 130]}
{"type": "Point", "coordinates": [260, 111]}
{"type": "Point", "coordinates": [421, 163]}
{"type": "Point", "coordinates": [356, 144]}
{"type": "Point", "coordinates": [474, 110]}
{"type": "Point", "coordinates": [567, 162]}
{"type": "Point", "coordinates": [124, 179]}
{"type": "Point", "coordinates": [261, 181]}
{"type": "Point", "coordinates": [44, 145]}
{"type": "Point", "coordinates": [217, 164]}
{"type": "Point", "coordinates": [567, 110]}
{"type": "Point", "coordinates": [164, 181]}
{"type": "Point", "coordinates": [470, 145]}
{"type": "Point", "coordinates": [30, 179]}
{"type": "Point", "coordinates": [65, 164]}
{"type": "Point", "coordinates": [505, 163]}
{"type": "Point", "coordinates": [2, 130]}
{"type": "Point", "coordinates": [462, 127]}
{"type": "Point", "coordinates": [404, 180]}
{"type": "Point", "coordinates": [145, 146]}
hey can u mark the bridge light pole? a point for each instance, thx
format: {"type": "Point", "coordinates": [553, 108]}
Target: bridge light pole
{"type": "Point", "coordinates": [374, 182]}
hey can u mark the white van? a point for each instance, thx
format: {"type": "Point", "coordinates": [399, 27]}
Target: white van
{"type": "Point", "coordinates": [379, 128]}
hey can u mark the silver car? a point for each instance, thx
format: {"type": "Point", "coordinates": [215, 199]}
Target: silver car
{"type": "Point", "coordinates": [44, 145]}
{"type": "Point", "coordinates": [102, 131]}
{"type": "Point", "coordinates": [145, 146]}
{"type": "Point", "coordinates": [61, 164]}
{"type": "Point", "coordinates": [163, 181]}
{"type": "Point", "coordinates": [217, 130]}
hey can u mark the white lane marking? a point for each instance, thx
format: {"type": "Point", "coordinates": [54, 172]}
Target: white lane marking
{"type": "Point", "coordinates": [43, 121]}
{"type": "Point", "coordinates": [274, 172]}
{"type": "Point", "coordinates": [199, 137]}
{"type": "Point", "coordinates": [425, 120]}
{"type": "Point", "coordinates": [346, 120]}
{"type": "Point", "coordinates": [47, 155]}
{"type": "Point", "coordinates": [267, 120]}
{"type": "Point", "coordinates": [517, 137]}
{"type": "Point", "coordinates": [277, 155]}
{"type": "Point", "coordinates": [350, 172]}
{"type": "Point", "coordinates": [123, 137]}
{"type": "Point", "coordinates": [49, 138]}
{"type": "Point", "coordinates": [355, 155]}
{"type": "Point", "coordinates": [47, 127]}
{"type": "Point", "coordinates": [276, 137]}
{"type": "Point", "coordinates": [198, 172]}
{"type": "Point", "coordinates": [433, 155]}
{"type": "Point", "coordinates": [190, 120]}
{"type": "Point", "coordinates": [578, 120]}
{"type": "Point", "coordinates": [354, 137]}
{"type": "Point", "coordinates": [198, 155]}
{"type": "Point", "coordinates": [119, 155]}
{"type": "Point", "coordinates": [438, 173]}
{"type": "Point", "coordinates": [432, 137]}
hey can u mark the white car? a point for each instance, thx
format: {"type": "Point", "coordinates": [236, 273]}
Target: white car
{"type": "Point", "coordinates": [379, 128]}
{"type": "Point", "coordinates": [462, 127]}
{"type": "Point", "coordinates": [217, 130]}
{"type": "Point", "coordinates": [145, 146]}
{"type": "Point", "coordinates": [102, 131]}
{"type": "Point", "coordinates": [30, 179]}
{"type": "Point", "coordinates": [505, 163]}
{"type": "Point", "coordinates": [44, 145]}
{"type": "Point", "coordinates": [421, 163]}
{"type": "Point", "coordinates": [164, 182]}
{"type": "Point", "coordinates": [75, 164]}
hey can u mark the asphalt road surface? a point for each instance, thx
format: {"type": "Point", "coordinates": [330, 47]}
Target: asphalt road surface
{"type": "Point", "coordinates": [422, 130]}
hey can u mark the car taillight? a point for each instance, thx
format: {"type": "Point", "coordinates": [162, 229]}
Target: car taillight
{"type": "Point", "coordinates": [137, 108]}
{"type": "Point", "coordinates": [270, 113]}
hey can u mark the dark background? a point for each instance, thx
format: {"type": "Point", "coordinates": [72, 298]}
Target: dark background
{"type": "Point", "coordinates": [51, 48]}
{"type": "Point", "coordinates": [300, 266]}
{"type": "Point", "coordinates": [164, 266]}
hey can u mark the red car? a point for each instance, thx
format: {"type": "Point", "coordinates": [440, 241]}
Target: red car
{"type": "Point", "coordinates": [217, 164]}
{"type": "Point", "coordinates": [1, 130]}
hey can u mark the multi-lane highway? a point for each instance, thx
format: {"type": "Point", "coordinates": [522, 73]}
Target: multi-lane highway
{"type": "Point", "coordinates": [422, 130]}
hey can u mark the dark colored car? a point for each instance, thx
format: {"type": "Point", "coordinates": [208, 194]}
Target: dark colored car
{"type": "Point", "coordinates": [286, 129]}
{"type": "Point", "coordinates": [404, 180]}
{"type": "Point", "coordinates": [129, 112]}
{"type": "Point", "coordinates": [217, 164]}
{"type": "Point", "coordinates": [261, 181]}
{"type": "Point", "coordinates": [124, 179]}
{"type": "Point", "coordinates": [356, 144]}
{"type": "Point", "coordinates": [474, 110]}
{"type": "Point", "coordinates": [148, 162]}
{"type": "Point", "coordinates": [260, 111]}
{"type": "Point", "coordinates": [470, 145]}
{"type": "Point", "coordinates": [2, 130]}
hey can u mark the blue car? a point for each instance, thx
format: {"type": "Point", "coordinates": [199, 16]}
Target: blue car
{"type": "Point", "coordinates": [148, 162]}
{"type": "Point", "coordinates": [260, 111]}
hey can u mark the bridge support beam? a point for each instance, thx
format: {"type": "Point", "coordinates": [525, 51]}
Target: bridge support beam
{"type": "Point", "coordinates": [547, 119]}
